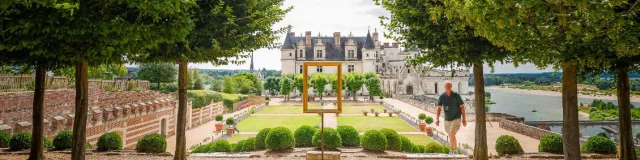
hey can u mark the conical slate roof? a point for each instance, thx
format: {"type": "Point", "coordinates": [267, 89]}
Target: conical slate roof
{"type": "Point", "coordinates": [288, 42]}
{"type": "Point", "coordinates": [368, 42]}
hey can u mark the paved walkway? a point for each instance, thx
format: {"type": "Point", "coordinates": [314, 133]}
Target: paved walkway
{"type": "Point", "coordinates": [466, 134]}
{"type": "Point", "coordinates": [198, 134]}
{"type": "Point", "coordinates": [330, 119]}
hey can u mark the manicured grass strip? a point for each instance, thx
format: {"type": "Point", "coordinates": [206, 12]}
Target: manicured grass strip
{"type": "Point", "coordinates": [238, 137]}
{"type": "Point", "coordinates": [362, 123]}
{"type": "Point", "coordinates": [276, 109]}
{"type": "Point", "coordinates": [419, 139]}
{"type": "Point", "coordinates": [256, 123]}
{"type": "Point", "coordinates": [229, 96]}
{"type": "Point", "coordinates": [358, 109]}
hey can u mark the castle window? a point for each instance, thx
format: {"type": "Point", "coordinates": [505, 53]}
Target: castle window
{"type": "Point", "coordinates": [351, 68]}
{"type": "Point", "coordinates": [408, 70]}
{"type": "Point", "coordinates": [350, 54]}
{"type": "Point", "coordinates": [367, 54]}
{"type": "Point", "coordinates": [319, 54]}
{"type": "Point", "coordinates": [319, 69]}
{"type": "Point", "coordinates": [289, 54]}
{"type": "Point", "coordinates": [300, 69]}
{"type": "Point", "coordinates": [301, 53]}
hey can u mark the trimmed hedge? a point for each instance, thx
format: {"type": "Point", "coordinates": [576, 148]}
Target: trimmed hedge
{"type": "Point", "coordinates": [551, 143]}
{"type": "Point", "coordinates": [446, 149]}
{"type": "Point", "coordinates": [407, 146]}
{"type": "Point", "coordinates": [4, 139]}
{"type": "Point", "coordinates": [506, 144]}
{"type": "Point", "coordinates": [109, 141]}
{"type": "Point", "coordinates": [228, 103]}
{"type": "Point", "coordinates": [20, 141]}
{"type": "Point", "coordinates": [63, 140]}
{"type": "Point", "coordinates": [393, 139]}
{"type": "Point", "coordinates": [261, 137]}
{"type": "Point", "coordinates": [599, 144]}
{"type": "Point", "coordinates": [279, 138]}
{"type": "Point", "coordinates": [237, 147]}
{"type": "Point", "coordinates": [433, 147]}
{"type": "Point", "coordinates": [221, 146]}
{"type": "Point", "coordinates": [304, 136]}
{"type": "Point", "coordinates": [153, 143]}
{"type": "Point", "coordinates": [48, 144]}
{"type": "Point", "coordinates": [87, 145]}
{"type": "Point", "coordinates": [201, 98]}
{"type": "Point", "coordinates": [332, 139]}
{"type": "Point", "coordinates": [418, 149]}
{"type": "Point", "coordinates": [350, 136]}
{"type": "Point", "coordinates": [374, 140]}
{"type": "Point", "coordinates": [249, 145]}
{"type": "Point", "coordinates": [205, 148]}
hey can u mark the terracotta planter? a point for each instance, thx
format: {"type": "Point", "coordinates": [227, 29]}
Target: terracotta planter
{"type": "Point", "coordinates": [384, 110]}
{"type": "Point", "coordinates": [372, 111]}
{"type": "Point", "coordinates": [219, 127]}
{"type": "Point", "coordinates": [422, 126]}
{"type": "Point", "coordinates": [377, 114]}
{"type": "Point", "coordinates": [390, 114]}
{"type": "Point", "coordinates": [267, 103]}
{"type": "Point", "coordinates": [381, 103]}
{"type": "Point", "coordinates": [365, 113]}
{"type": "Point", "coordinates": [429, 131]}
{"type": "Point", "coordinates": [396, 112]}
{"type": "Point", "coordinates": [230, 131]}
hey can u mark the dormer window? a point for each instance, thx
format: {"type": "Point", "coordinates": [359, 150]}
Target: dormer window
{"type": "Point", "coordinates": [351, 54]}
{"type": "Point", "coordinates": [319, 54]}
{"type": "Point", "coordinates": [367, 54]}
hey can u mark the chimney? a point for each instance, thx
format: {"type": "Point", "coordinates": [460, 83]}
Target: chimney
{"type": "Point", "coordinates": [336, 37]}
{"type": "Point", "coordinates": [375, 34]}
{"type": "Point", "coordinates": [292, 34]}
{"type": "Point", "coordinates": [394, 44]}
{"type": "Point", "coordinates": [308, 37]}
{"type": "Point", "coordinates": [386, 44]}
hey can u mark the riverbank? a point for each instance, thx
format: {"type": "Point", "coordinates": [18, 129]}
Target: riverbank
{"type": "Point", "coordinates": [558, 94]}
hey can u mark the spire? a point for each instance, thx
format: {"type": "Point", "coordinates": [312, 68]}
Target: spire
{"type": "Point", "coordinates": [251, 66]}
{"type": "Point", "coordinates": [288, 41]}
{"type": "Point", "coordinates": [368, 43]}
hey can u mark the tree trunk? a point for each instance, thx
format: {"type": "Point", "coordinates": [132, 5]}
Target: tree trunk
{"type": "Point", "coordinates": [321, 96]}
{"type": "Point", "coordinates": [480, 149]}
{"type": "Point", "coordinates": [570, 127]}
{"type": "Point", "coordinates": [181, 145]}
{"type": "Point", "coordinates": [82, 105]}
{"type": "Point", "coordinates": [627, 151]}
{"type": "Point", "coordinates": [355, 96]}
{"type": "Point", "coordinates": [37, 141]}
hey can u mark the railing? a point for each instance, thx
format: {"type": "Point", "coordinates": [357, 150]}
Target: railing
{"type": "Point", "coordinates": [17, 83]}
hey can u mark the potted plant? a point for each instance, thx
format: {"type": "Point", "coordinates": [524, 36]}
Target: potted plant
{"type": "Point", "coordinates": [364, 112]}
{"type": "Point", "coordinates": [384, 110]}
{"type": "Point", "coordinates": [390, 114]}
{"type": "Point", "coordinates": [219, 124]}
{"type": "Point", "coordinates": [429, 120]}
{"type": "Point", "coordinates": [230, 121]}
{"type": "Point", "coordinates": [377, 113]}
{"type": "Point", "coordinates": [397, 111]}
{"type": "Point", "coordinates": [422, 125]}
{"type": "Point", "coordinates": [381, 102]}
{"type": "Point", "coordinates": [266, 98]}
{"type": "Point", "coordinates": [372, 110]}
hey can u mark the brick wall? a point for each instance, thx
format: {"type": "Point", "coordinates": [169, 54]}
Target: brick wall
{"type": "Point", "coordinates": [204, 114]}
{"type": "Point", "coordinates": [130, 114]}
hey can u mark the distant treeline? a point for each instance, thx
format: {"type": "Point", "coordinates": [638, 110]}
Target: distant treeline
{"type": "Point", "coordinates": [602, 81]}
{"type": "Point", "coordinates": [219, 74]}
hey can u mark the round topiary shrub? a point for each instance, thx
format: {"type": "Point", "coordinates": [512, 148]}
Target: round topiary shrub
{"type": "Point", "coordinates": [304, 135]}
{"type": "Point", "coordinates": [230, 121]}
{"type": "Point", "coordinates": [261, 137]}
{"type": "Point", "coordinates": [506, 144]}
{"type": "Point", "coordinates": [599, 144]}
{"type": "Point", "coordinates": [279, 138]}
{"type": "Point", "coordinates": [109, 141]}
{"type": "Point", "coordinates": [249, 145]}
{"type": "Point", "coordinates": [87, 145]}
{"type": "Point", "coordinates": [20, 141]}
{"type": "Point", "coordinates": [237, 147]}
{"type": "Point", "coordinates": [422, 116]}
{"type": "Point", "coordinates": [418, 149]}
{"type": "Point", "coordinates": [446, 149]}
{"type": "Point", "coordinates": [393, 139]}
{"type": "Point", "coordinates": [433, 147]}
{"type": "Point", "coordinates": [221, 146]}
{"type": "Point", "coordinates": [332, 139]}
{"type": "Point", "coordinates": [374, 140]}
{"type": "Point", "coordinates": [350, 136]}
{"type": "Point", "coordinates": [153, 143]}
{"type": "Point", "coordinates": [63, 140]}
{"type": "Point", "coordinates": [219, 117]}
{"type": "Point", "coordinates": [406, 144]}
{"type": "Point", "coordinates": [551, 143]}
{"type": "Point", "coordinates": [48, 144]}
{"type": "Point", "coordinates": [4, 139]}
{"type": "Point", "coordinates": [203, 148]}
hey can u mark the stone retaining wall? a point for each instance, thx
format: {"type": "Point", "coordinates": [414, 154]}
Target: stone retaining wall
{"type": "Point", "coordinates": [521, 128]}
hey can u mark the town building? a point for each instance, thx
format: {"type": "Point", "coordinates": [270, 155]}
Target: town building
{"type": "Point", "coordinates": [367, 54]}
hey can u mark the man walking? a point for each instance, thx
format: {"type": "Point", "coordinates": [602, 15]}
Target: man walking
{"type": "Point", "coordinates": [235, 126]}
{"type": "Point", "coordinates": [453, 107]}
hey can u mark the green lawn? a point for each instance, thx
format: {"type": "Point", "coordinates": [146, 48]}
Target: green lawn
{"type": "Point", "coordinates": [275, 109]}
{"type": "Point", "coordinates": [362, 123]}
{"type": "Point", "coordinates": [256, 123]}
{"type": "Point", "coordinates": [419, 139]}
{"type": "Point", "coordinates": [238, 137]}
{"type": "Point", "coordinates": [358, 109]}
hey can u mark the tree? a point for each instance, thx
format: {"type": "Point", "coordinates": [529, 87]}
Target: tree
{"type": "Point", "coordinates": [99, 32]}
{"type": "Point", "coordinates": [255, 86]}
{"type": "Point", "coordinates": [319, 83]}
{"type": "Point", "coordinates": [445, 42]}
{"type": "Point", "coordinates": [272, 84]}
{"type": "Point", "coordinates": [216, 85]}
{"type": "Point", "coordinates": [158, 72]}
{"type": "Point", "coordinates": [286, 85]}
{"type": "Point", "coordinates": [245, 86]}
{"type": "Point", "coordinates": [372, 81]}
{"type": "Point", "coordinates": [584, 34]}
{"type": "Point", "coordinates": [196, 78]}
{"type": "Point", "coordinates": [229, 85]}
{"type": "Point", "coordinates": [297, 83]}
{"type": "Point", "coordinates": [354, 82]}
{"type": "Point", "coordinates": [333, 81]}
{"type": "Point", "coordinates": [103, 71]}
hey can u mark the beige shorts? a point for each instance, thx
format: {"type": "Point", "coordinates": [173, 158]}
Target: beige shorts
{"type": "Point", "coordinates": [452, 126]}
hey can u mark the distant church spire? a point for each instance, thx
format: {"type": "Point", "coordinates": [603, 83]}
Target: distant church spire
{"type": "Point", "coordinates": [251, 66]}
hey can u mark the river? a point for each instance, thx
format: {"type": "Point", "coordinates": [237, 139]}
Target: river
{"type": "Point", "coordinates": [548, 107]}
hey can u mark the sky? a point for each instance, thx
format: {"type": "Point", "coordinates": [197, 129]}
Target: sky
{"type": "Point", "coordinates": [328, 16]}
